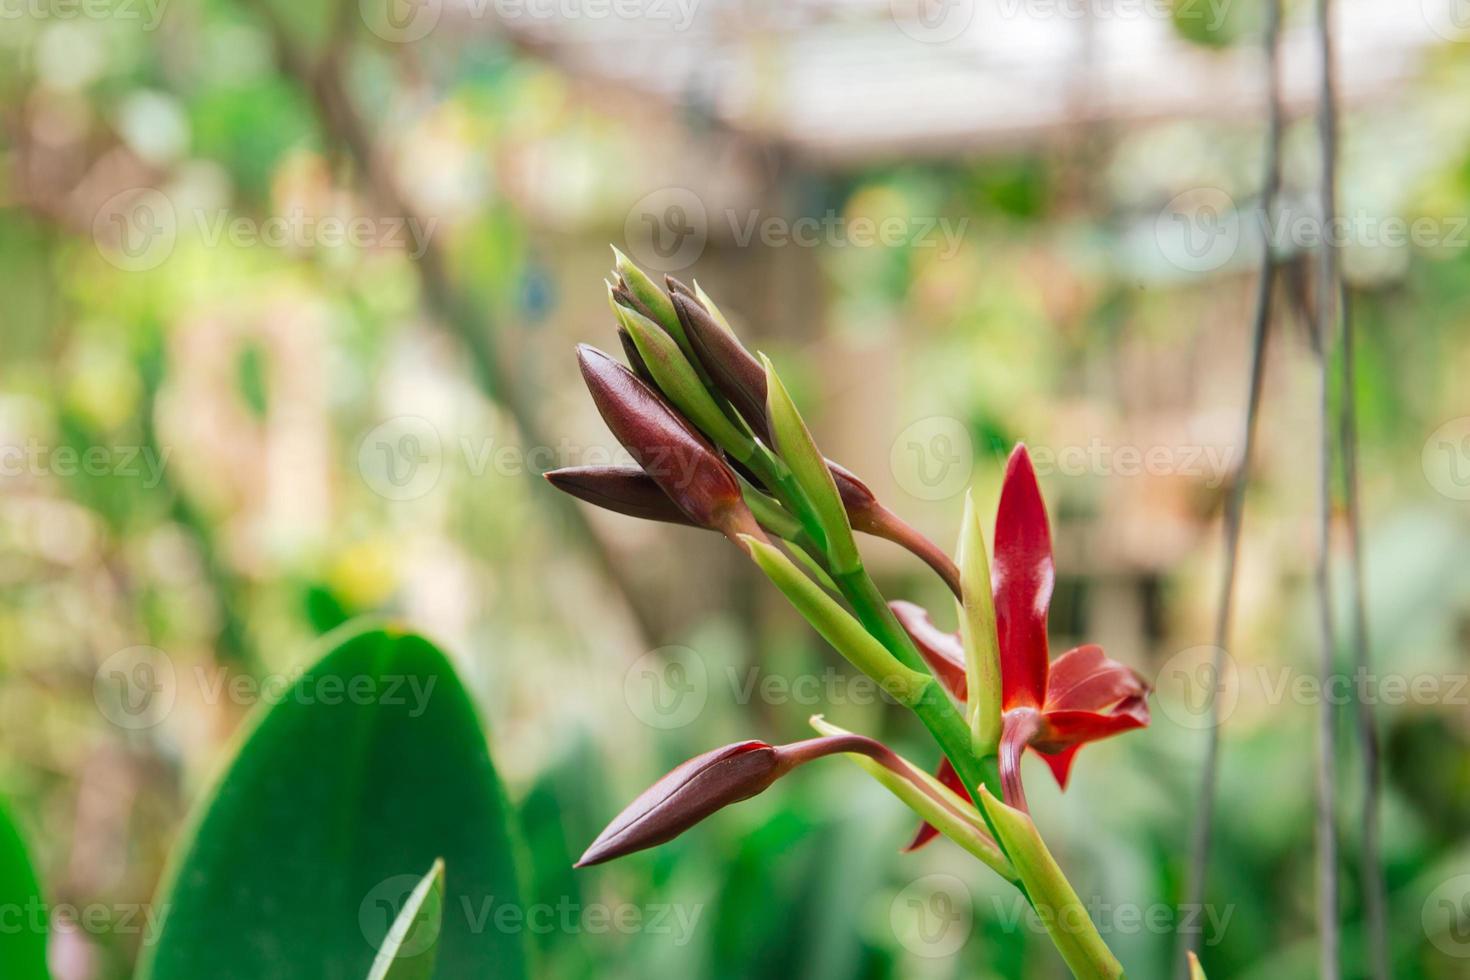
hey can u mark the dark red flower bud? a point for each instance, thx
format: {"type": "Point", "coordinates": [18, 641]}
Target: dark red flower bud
{"type": "Point", "coordinates": [727, 775]}
{"type": "Point", "coordinates": [675, 286]}
{"type": "Point", "coordinates": [679, 460]}
{"type": "Point", "coordinates": [623, 489]}
{"type": "Point", "coordinates": [635, 359]}
{"type": "Point", "coordinates": [686, 796]}
{"type": "Point", "coordinates": [732, 368]}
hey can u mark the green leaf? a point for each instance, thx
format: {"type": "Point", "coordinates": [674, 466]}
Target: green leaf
{"type": "Point", "coordinates": [22, 949]}
{"type": "Point", "coordinates": [370, 766]}
{"type": "Point", "coordinates": [413, 941]}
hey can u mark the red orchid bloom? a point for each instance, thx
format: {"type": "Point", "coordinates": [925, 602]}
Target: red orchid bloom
{"type": "Point", "coordinates": [1055, 707]}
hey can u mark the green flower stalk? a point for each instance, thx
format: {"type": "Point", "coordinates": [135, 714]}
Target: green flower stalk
{"type": "Point", "coordinates": [1053, 897]}
{"type": "Point", "coordinates": [839, 628]}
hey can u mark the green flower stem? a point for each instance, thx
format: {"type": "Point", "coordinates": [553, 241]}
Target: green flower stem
{"type": "Point", "coordinates": [779, 479]}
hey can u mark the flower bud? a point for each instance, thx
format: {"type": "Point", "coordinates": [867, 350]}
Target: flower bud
{"type": "Point", "coordinates": [623, 489]}
{"type": "Point", "coordinates": [678, 459]}
{"type": "Point", "coordinates": [795, 446]}
{"type": "Point", "coordinates": [635, 359]}
{"type": "Point", "coordinates": [677, 288]}
{"type": "Point", "coordinates": [646, 293]}
{"type": "Point", "coordinates": [709, 304]}
{"type": "Point", "coordinates": [687, 795]}
{"type": "Point", "coordinates": [731, 368]}
{"type": "Point", "coordinates": [676, 378]}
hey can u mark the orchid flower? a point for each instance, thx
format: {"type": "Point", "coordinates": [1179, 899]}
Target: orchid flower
{"type": "Point", "coordinates": [1053, 707]}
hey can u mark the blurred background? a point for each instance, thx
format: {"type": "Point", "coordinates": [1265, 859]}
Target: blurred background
{"type": "Point", "coordinates": [289, 296]}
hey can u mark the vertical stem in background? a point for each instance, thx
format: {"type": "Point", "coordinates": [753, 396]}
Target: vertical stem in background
{"type": "Point", "coordinates": [1328, 293]}
{"type": "Point", "coordinates": [1374, 900]}
{"type": "Point", "coordinates": [1235, 501]}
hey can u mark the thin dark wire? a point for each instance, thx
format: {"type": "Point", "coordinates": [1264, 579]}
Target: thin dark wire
{"type": "Point", "coordinates": [1328, 295]}
{"type": "Point", "coordinates": [1235, 503]}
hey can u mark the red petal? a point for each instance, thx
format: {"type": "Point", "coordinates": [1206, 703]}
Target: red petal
{"type": "Point", "coordinates": [942, 651]}
{"type": "Point", "coordinates": [1062, 730]}
{"type": "Point", "coordinates": [1022, 577]}
{"type": "Point", "coordinates": [1084, 679]}
{"type": "Point", "coordinates": [1061, 763]}
{"type": "Point", "coordinates": [946, 775]}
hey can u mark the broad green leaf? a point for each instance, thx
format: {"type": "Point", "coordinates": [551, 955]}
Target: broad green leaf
{"type": "Point", "coordinates": [413, 941]}
{"type": "Point", "coordinates": [23, 938]}
{"type": "Point", "coordinates": [371, 766]}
